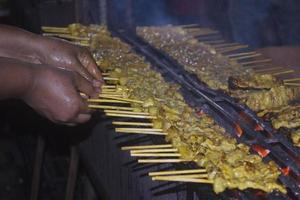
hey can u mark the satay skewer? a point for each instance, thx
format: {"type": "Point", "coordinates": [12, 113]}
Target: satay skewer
{"type": "Point", "coordinates": [143, 132]}
{"type": "Point", "coordinates": [291, 79]}
{"type": "Point", "coordinates": [108, 86]}
{"type": "Point", "coordinates": [292, 84]}
{"type": "Point", "coordinates": [175, 172]}
{"type": "Point", "coordinates": [162, 160]}
{"type": "Point", "coordinates": [214, 41]}
{"type": "Point", "coordinates": [200, 176]}
{"type": "Point", "coordinates": [66, 36]}
{"type": "Point", "coordinates": [190, 180]}
{"type": "Point", "coordinates": [241, 54]}
{"type": "Point", "coordinates": [110, 79]}
{"type": "Point", "coordinates": [229, 49]}
{"type": "Point", "coordinates": [141, 129]}
{"type": "Point", "coordinates": [155, 154]}
{"type": "Point", "coordinates": [142, 147]}
{"type": "Point", "coordinates": [225, 45]}
{"type": "Point", "coordinates": [131, 123]}
{"type": "Point", "coordinates": [53, 29]}
{"type": "Point", "coordinates": [126, 112]}
{"type": "Point", "coordinates": [267, 69]}
{"type": "Point", "coordinates": [106, 101]}
{"type": "Point", "coordinates": [246, 57]}
{"type": "Point", "coordinates": [130, 116]}
{"type": "Point", "coordinates": [283, 72]}
{"type": "Point", "coordinates": [110, 107]}
{"type": "Point", "coordinates": [158, 150]}
{"type": "Point", "coordinates": [256, 61]}
{"type": "Point", "coordinates": [121, 99]}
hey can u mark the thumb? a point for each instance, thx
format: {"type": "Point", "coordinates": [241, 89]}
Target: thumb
{"type": "Point", "coordinates": [83, 71]}
{"type": "Point", "coordinates": [83, 85]}
{"type": "Point", "coordinates": [90, 65]}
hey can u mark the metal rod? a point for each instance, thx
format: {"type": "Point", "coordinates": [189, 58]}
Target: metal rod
{"type": "Point", "coordinates": [73, 168]}
{"type": "Point", "coordinates": [38, 162]}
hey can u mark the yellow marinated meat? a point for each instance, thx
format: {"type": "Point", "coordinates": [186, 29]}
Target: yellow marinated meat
{"type": "Point", "coordinates": [295, 135]}
{"type": "Point", "coordinates": [196, 57]}
{"type": "Point", "coordinates": [288, 117]}
{"type": "Point", "coordinates": [198, 138]}
{"type": "Point", "coordinates": [255, 81]}
{"type": "Point", "coordinates": [259, 92]}
{"type": "Point", "coordinates": [259, 100]}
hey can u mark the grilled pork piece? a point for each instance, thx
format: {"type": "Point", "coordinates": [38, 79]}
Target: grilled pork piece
{"type": "Point", "coordinates": [255, 81]}
{"type": "Point", "coordinates": [259, 100]}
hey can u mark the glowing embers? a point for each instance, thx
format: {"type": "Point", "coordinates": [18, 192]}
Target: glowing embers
{"type": "Point", "coordinates": [258, 127]}
{"type": "Point", "coordinates": [238, 130]}
{"type": "Point", "coordinates": [285, 170]}
{"type": "Point", "coordinates": [260, 150]}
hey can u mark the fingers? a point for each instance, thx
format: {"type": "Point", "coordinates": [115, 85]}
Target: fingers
{"type": "Point", "coordinates": [84, 86]}
{"type": "Point", "coordinates": [89, 63]}
{"type": "Point", "coordinates": [83, 72]}
{"type": "Point", "coordinates": [82, 118]}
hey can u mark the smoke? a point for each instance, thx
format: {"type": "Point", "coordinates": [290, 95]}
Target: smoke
{"type": "Point", "coordinates": [153, 12]}
{"type": "Point", "coordinates": [141, 12]}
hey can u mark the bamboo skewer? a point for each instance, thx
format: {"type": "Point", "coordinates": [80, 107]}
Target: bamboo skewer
{"type": "Point", "coordinates": [205, 37]}
{"type": "Point", "coordinates": [132, 123]}
{"type": "Point", "coordinates": [156, 154]}
{"type": "Point", "coordinates": [189, 25]}
{"type": "Point", "coordinates": [200, 176]}
{"type": "Point", "coordinates": [130, 116]}
{"type": "Point", "coordinates": [121, 99]}
{"type": "Point", "coordinates": [110, 107]}
{"type": "Point", "coordinates": [141, 129]}
{"type": "Point", "coordinates": [108, 86]}
{"type": "Point", "coordinates": [106, 101]}
{"type": "Point", "coordinates": [55, 29]}
{"type": "Point", "coordinates": [267, 69]}
{"type": "Point", "coordinates": [162, 160]}
{"type": "Point", "coordinates": [292, 84]}
{"type": "Point", "coordinates": [110, 79]}
{"type": "Point", "coordinates": [256, 61]}
{"type": "Point", "coordinates": [291, 79]}
{"type": "Point", "coordinates": [189, 171]}
{"type": "Point", "coordinates": [143, 132]}
{"type": "Point", "coordinates": [283, 72]}
{"type": "Point", "coordinates": [144, 147]}
{"type": "Point", "coordinates": [246, 57]}
{"type": "Point", "coordinates": [154, 150]}
{"type": "Point", "coordinates": [110, 90]}
{"type": "Point", "coordinates": [229, 49]}
{"type": "Point", "coordinates": [191, 180]}
{"type": "Point", "coordinates": [225, 45]}
{"type": "Point", "coordinates": [115, 94]}
{"type": "Point", "coordinates": [214, 41]}
{"type": "Point", "coordinates": [66, 36]}
{"type": "Point", "coordinates": [241, 54]}
{"type": "Point", "coordinates": [126, 112]}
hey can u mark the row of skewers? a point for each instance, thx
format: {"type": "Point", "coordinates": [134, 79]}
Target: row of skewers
{"type": "Point", "coordinates": [245, 75]}
{"type": "Point", "coordinates": [144, 103]}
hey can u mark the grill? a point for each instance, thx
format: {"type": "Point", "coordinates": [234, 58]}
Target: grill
{"type": "Point", "coordinates": [228, 114]}
{"type": "Point", "coordinates": [239, 121]}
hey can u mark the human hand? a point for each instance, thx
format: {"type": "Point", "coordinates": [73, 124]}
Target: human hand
{"type": "Point", "coordinates": [54, 93]}
{"type": "Point", "coordinates": [65, 55]}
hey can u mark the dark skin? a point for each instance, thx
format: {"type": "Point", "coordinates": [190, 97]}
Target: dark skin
{"type": "Point", "coordinates": [47, 74]}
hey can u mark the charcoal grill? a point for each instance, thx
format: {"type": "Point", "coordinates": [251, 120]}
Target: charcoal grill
{"type": "Point", "coordinates": [112, 170]}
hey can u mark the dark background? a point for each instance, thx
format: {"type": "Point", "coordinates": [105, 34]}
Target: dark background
{"type": "Point", "coordinates": [254, 22]}
{"type": "Point", "coordinates": [259, 23]}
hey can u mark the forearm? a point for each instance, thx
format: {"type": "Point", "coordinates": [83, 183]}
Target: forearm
{"type": "Point", "coordinates": [15, 78]}
{"type": "Point", "coordinates": [19, 44]}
